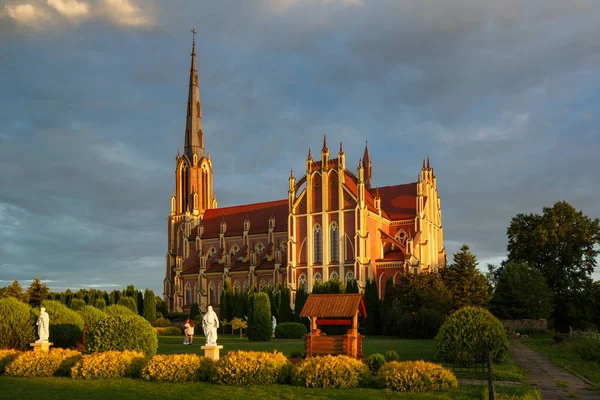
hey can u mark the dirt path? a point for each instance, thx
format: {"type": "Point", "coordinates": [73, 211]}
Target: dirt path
{"type": "Point", "coordinates": [554, 382]}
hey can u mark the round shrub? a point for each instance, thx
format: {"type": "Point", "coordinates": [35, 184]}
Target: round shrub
{"type": "Point", "coordinates": [259, 318]}
{"type": "Point", "coordinates": [109, 364]}
{"type": "Point", "coordinates": [91, 316]}
{"type": "Point", "coordinates": [252, 368]}
{"type": "Point", "coordinates": [6, 357]}
{"type": "Point", "coordinates": [77, 304]}
{"type": "Point", "coordinates": [128, 302]}
{"type": "Point", "coordinates": [16, 324]}
{"type": "Point", "coordinates": [290, 330]}
{"type": "Point", "coordinates": [178, 368]}
{"type": "Point", "coordinates": [467, 336]}
{"type": "Point", "coordinates": [56, 362]}
{"type": "Point", "coordinates": [100, 304]}
{"type": "Point", "coordinates": [375, 361]}
{"type": "Point", "coordinates": [331, 372]}
{"type": "Point", "coordinates": [115, 309]}
{"type": "Point", "coordinates": [66, 326]}
{"type": "Point", "coordinates": [163, 322]}
{"type": "Point", "coordinates": [415, 376]}
{"type": "Point", "coordinates": [123, 332]}
{"type": "Point", "coordinates": [168, 331]}
{"type": "Point", "coordinates": [392, 355]}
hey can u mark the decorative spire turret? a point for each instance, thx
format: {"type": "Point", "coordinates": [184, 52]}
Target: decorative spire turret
{"type": "Point", "coordinates": [194, 137]}
{"type": "Point", "coordinates": [325, 148]}
{"type": "Point", "coordinates": [366, 160]}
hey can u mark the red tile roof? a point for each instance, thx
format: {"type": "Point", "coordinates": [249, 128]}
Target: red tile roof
{"type": "Point", "coordinates": [399, 201]}
{"type": "Point", "coordinates": [394, 255]}
{"type": "Point", "coordinates": [259, 214]}
{"type": "Point", "coordinates": [334, 306]}
{"type": "Point", "coordinates": [191, 265]}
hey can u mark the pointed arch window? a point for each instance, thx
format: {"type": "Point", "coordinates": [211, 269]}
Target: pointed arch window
{"type": "Point", "coordinates": [334, 240]}
{"type": "Point", "coordinates": [334, 275]}
{"type": "Point", "coordinates": [196, 299]}
{"type": "Point", "coordinates": [220, 290]}
{"type": "Point", "coordinates": [246, 286]}
{"type": "Point", "coordinates": [188, 294]}
{"type": "Point", "coordinates": [263, 285]}
{"type": "Point", "coordinates": [236, 286]}
{"type": "Point", "coordinates": [318, 278]}
{"type": "Point", "coordinates": [317, 245]}
{"type": "Point", "coordinates": [198, 108]}
{"type": "Point", "coordinates": [349, 276]}
{"type": "Point", "coordinates": [302, 282]}
{"type": "Point", "coordinates": [212, 293]}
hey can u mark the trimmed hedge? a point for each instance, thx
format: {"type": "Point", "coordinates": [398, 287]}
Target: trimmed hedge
{"type": "Point", "coordinates": [91, 316]}
{"type": "Point", "coordinates": [123, 332]}
{"type": "Point", "coordinates": [252, 368]}
{"type": "Point", "coordinates": [128, 302]}
{"type": "Point", "coordinates": [467, 336]}
{"type": "Point", "coordinates": [56, 362]}
{"type": "Point", "coordinates": [16, 325]}
{"type": "Point", "coordinates": [163, 322]}
{"type": "Point", "coordinates": [415, 376]}
{"type": "Point", "coordinates": [259, 318]}
{"type": "Point", "coordinates": [109, 364]}
{"type": "Point", "coordinates": [77, 304]}
{"type": "Point", "coordinates": [115, 309]}
{"type": "Point", "coordinates": [66, 325]}
{"type": "Point", "coordinates": [331, 372]}
{"type": "Point", "coordinates": [168, 331]}
{"type": "Point", "coordinates": [178, 368]}
{"type": "Point", "coordinates": [6, 357]}
{"type": "Point", "coordinates": [290, 330]}
{"type": "Point", "coordinates": [375, 362]}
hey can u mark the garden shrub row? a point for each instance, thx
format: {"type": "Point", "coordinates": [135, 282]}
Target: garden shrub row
{"type": "Point", "coordinates": [235, 368]}
{"type": "Point", "coordinates": [123, 332]}
{"type": "Point", "coordinates": [168, 331]}
{"type": "Point", "coordinates": [290, 330]}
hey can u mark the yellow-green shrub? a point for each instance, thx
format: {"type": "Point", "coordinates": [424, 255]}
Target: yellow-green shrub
{"type": "Point", "coordinates": [109, 364]}
{"type": "Point", "coordinates": [56, 362]}
{"type": "Point", "coordinates": [251, 367]}
{"type": "Point", "coordinates": [123, 332]}
{"type": "Point", "coordinates": [415, 376]}
{"type": "Point", "coordinates": [16, 325]}
{"type": "Point", "coordinates": [6, 357]}
{"type": "Point", "coordinates": [331, 371]}
{"type": "Point", "coordinates": [178, 368]}
{"type": "Point", "coordinates": [168, 331]}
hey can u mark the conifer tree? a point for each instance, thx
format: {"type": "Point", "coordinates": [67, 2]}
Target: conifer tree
{"type": "Point", "coordinates": [468, 285]}
{"type": "Point", "coordinates": [259, 320]}
{"type": "Point", "coordinates": [226, 301]}
{"type": "Point", "coordinates": [149, 310]}
{"type": "Point", "coordinates": [285, 312]}
{"type": "Point", "coordinates": [37, 292]}
{"type": "Point", "coordinates": [15, 290]}
{"type": "Point", "coordinates": [372, 322]}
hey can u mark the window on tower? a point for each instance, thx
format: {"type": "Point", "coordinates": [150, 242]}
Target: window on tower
{"type": "Point", "coordinates": [318, 245]}
{"type": "Point", "coordinates": [334, 242]}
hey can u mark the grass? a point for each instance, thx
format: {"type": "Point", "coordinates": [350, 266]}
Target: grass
{"type": "Point", "coordinates": [65, 388]}
{"type": "Point", "coordinates": [563, 355]}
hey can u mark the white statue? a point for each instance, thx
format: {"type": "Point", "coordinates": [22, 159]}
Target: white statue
{"type": "Point", "coordinates": [210, 324]}
{"type": "Point", "coordinates": [274, 323]}
{"type": "Point", "coordinates": [43, 324]}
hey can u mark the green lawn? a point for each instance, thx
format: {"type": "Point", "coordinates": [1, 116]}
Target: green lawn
{"type": "Point", "coordinates": [67, 388]}
{"type": "Point", "coordinates": [563, 356]}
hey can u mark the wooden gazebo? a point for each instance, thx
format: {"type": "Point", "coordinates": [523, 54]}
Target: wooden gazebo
{"type": "Point", "coordinates": [334, 309]}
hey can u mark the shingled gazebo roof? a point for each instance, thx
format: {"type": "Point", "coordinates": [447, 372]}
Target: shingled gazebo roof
{"type": "Point", "coordinates": [334, 306]}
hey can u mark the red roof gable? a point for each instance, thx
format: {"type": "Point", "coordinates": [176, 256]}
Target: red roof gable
{"type": "Point", "coordinates": [399, 201]}
{"type": "Point", "coordinates": [259, 214]}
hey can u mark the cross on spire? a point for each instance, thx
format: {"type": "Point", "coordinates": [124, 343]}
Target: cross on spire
{"type": "Point", "coordinates": [193, 35]}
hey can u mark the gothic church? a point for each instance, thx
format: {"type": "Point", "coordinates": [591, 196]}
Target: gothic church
{"type": "Point", "coordinates": [333, 224]}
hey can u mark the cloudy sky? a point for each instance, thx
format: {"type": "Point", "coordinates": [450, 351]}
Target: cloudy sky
{"type": "Point", "coordinates": [502, 95]}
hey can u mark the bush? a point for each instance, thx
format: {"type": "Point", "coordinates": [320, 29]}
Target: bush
{"type": "Point", "coordinates": [588, 348]}
{"type": "Point", "coordinates": [467, 336]}
{"type": "Point", "coordinates": [109, 364]}
{"type": "Point", "coordinates": [331, 371]}
{"type": "Point", "coordinates": [100, 304]}
{"type": "Point", "coordinates": [128, 302]}
{"type": "Point", "coordinates": [252, 368]}
{"type": "Point", "coordinates": [161, 322]}
{"type": "Point", "coordinates": [91, 316]}
{"type": "Point", "coordinates": [178, 368]}
{"type": "Point", "coordinates": [290, 330]}
{"type": "Point", "coordinates": [392, 355]}
{"type": "Point", "coordinates": [116, 309]}
{"type": "Point", "coordinates": [66, 326]}
{"type": "Point", "coordinates": [375, 361]}
{"type": "Point", "coordinates": [77, 304]}
{"type": "Point", "coordinates": [259, 318]}
{"type": "Point", "coordinates": [123, 332]}
{"type": "Point", "coordinates": [149, 305]}
{"type": "Point", "coordinates": [16, 324]}
{"type": "Point", "coordinates": [168, 331]}
{"type": "Point", "coordinates": [56, 362]}
{"type": "Point", "coordinates": [6, 357]}
{"type": "Point", "coordinates": [296, 354]}
{"type": "Point", "coordinates": [415, 376]}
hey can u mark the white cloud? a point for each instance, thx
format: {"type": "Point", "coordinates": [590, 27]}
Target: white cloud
{"type": "Point", "coordinates": [26, 14]}
{"type": "Point", "coordinates": [71, 9]}
{"type": "Point", "coordinates": [125, 12]}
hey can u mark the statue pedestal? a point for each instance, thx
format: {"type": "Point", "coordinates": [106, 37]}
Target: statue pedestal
{"type": "Point", "coordinates": [211, 352]}
{"type": "Point", "coordinates": [44, 346]}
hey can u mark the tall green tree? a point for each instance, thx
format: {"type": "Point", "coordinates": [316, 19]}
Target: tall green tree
{"type": "Point", "coordinates": [139, 302]}
{"type": "Point", "coordinates": [352, 286]}
{"type": "Point", "coordinates": [521, 293]}
{"type": "Point", "coordinates": [562, 243]}
{"type": "Point", "coordinates": [285, 311]}
{"type": "Point", "coordinates": [115, 296]}
{"type": "Point", "coordinates": [332, 286]}
{"type": "Point", "coordinates": [149, 311]}
{"type": "Point", "coordinates": [259, 319]}
{"type": "Point", "coordinates": [373, 321]}
{"type": "Point", "coordinates": [37, 292]}
{"type": "Point", "coordinates": [299, 302]}
{"type": "Point", "coordinates": [226, 301]}
{"type": "Point", "coordinates": [15, 290]}
{"type": "Point", "coordinates": [468, 285]}
{"type": "Point", "coordinates": [128, 302]}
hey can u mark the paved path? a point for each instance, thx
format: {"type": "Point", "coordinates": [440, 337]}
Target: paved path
{"type": "Point", "coordinates": [554, 382]}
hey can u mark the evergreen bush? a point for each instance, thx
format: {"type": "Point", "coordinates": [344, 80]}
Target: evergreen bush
{"type": "Point", "coordinates": [194, 311]}
{"type": "Point", "coordinates": [128, 302]}
{"type": "Point", "coordinates": [149, 311]}
{"type": "Point", "coordinates": [109, 364]}
{"type": "Point", "coordinates": [100, 304]}
{"type": "Point", "coordinates": [415, 376]}
{"type": "Point", "coordinates": [123, 332]}
{"type": "Point", "coordinates": [392, 355]}
{"type": "Point", "coordinates": [77, 304]}
{"type": "Point", "coordinates": [375, 361]}
{"type": "Point", "coordinates": [115, 309]}
{"type": "Point", "coordinates": [56, 362]}
{"type": "Point", "coordinates": [331, 372]}
{"type": "Point", "coordinates": [16, 325]}
{"type": "Point", "coordinates": [66, 326]}
{"type": "Point", "coordinates": [178, 368]}
{"type": "Point", "coordinates": [259, 319]}
{"type": "Point", "coordinates": [252, 368]}
{"type": "Point", "coordinates": [467, 336]}
{"type": "Point", "coordinates": [290, 330]}
{"type": "Point", "coordinates": [161, 322]}
{"type": "Point", "coordinates": [91, 316]}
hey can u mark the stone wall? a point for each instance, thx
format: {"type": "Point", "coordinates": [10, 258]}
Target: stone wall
{"type": "Point", "coordinates": [518, 325]}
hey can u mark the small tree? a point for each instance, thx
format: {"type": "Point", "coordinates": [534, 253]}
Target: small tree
{"type": "Point", "coordinates": [238, 323]}
{"type": "Point", "coordinates": [115, 296]}
{"type": "Point", "coordinates": [285, 312]}
{"type": "Point", "coordinates": [352, 286]}
{"type": "Point", "coordinates": [468, 285]}
{"type": "Point", "coordinates": [15, 290]}
{"type": "Point", "coordinates": [37, 292]}
{"type": "Point", "coordinates": [301, 297]}
{"type": "Point", "coordinates": [100, 304]}
{"type": "Point", "coordinates": [259, 320]}
{"type": "Point", "coordinates": [372, 322]}
{"type": "Point", "coordinates": [226, 301]}
{"type": "Point", "coordinates": [149, 311]}
{"type": "Point", "coordinates": [139, 302]}
{"type": "Point", "coordinates": [332, 286]}
{"type": "Point", "coordinates": [129, 303]}
{"type": "Point", "coordinates": [194, 311]}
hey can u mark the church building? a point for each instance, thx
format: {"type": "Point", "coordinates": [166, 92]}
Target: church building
{"type": "Point", "coordinates": [333, 224]}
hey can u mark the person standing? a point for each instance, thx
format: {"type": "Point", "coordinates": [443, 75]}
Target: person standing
{"type": "Point", "coordinates": [189, 331]}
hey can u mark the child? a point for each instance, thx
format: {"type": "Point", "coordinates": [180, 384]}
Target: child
{"type": "Point", "coordinates": [188, 331]}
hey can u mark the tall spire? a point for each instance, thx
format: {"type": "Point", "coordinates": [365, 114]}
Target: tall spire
{"type": "Point", "coordinates": [194, 137]}
{"type": "Point", "coordinates": [366, 160]}
{"type": "Point", "coordinates": [325, 143]}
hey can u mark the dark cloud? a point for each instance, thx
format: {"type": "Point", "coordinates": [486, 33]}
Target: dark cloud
{"type": "Point", "coordinates": [500, 96]}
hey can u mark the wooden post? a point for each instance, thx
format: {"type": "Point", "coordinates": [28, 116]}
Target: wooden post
{"type": "Point", "coordinates": [490, 381]}
{"type": "Point", "coordinates": [314, 325]}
